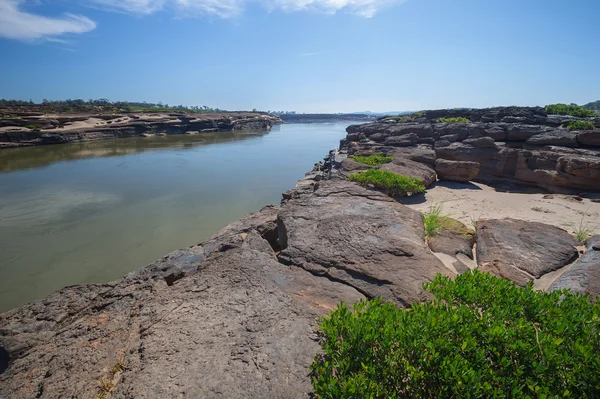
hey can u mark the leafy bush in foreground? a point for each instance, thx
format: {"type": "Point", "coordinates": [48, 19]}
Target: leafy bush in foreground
{"type": "Point", "coordinates": [373, 160]}
{"type": "Point", "coordinates": [581, 125]}
{"type": "Point", "coordinates": [481, 337]}
{"type": "Point", "coordinates": [573, 110]}
{"type": "Point", "coordinates": [393, 184]}
{"type": "Point", "coordinates": [459, 119]}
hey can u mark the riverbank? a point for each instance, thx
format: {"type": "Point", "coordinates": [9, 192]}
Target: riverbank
{"type": "Point", "coordinates": [236, 316]}
{"type": "Point", "coordinates": [40, 129]}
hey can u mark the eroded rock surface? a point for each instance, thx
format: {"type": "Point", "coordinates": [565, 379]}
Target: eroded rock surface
{"type": "Point", "coordinates": [516, 144]}
{"type": "Point", "coordinates": [522, 251]}
{"type": "Point", "coordinates": [234, 323]}
{"type": "Point", "coordinates": [359, 237]}
{"type": "Point", "coordinates": [583, 276]}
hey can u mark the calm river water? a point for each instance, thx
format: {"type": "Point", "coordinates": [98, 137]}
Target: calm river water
{"type": "Point", "coordinates": [91, 212]}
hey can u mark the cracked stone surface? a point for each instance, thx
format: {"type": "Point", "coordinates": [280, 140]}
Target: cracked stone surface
{"type": "Point", "coordinates": [360, 237]}
{"type": "Point", "coordinates": [522, 251]}
{"type": "Point", "coordinates": [238, 325]}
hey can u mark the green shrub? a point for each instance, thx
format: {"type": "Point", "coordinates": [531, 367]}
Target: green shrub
{"type": "Point", "coordinates": [393, 184]}
{"type": "Point", "coordinates": [581, 125]}
{"type": "Point", "coordinates": [420, 114]}
{"type": "Point", "coordinates": [373, 160]}
{"type": "Point", "coordinates": [32, 127]}
{"type": "Point", "coordinates": [573, 110]}
{"type": "Point", "coordinates": [481, 337]}
{"type": "Point", "coordinates": [459, 119]}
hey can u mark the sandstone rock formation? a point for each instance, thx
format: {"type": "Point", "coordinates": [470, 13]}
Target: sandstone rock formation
{"type": "Point", "coordinates": [584, 276]}
{"type": "Point", "coordinates": [49, 129]}
{"type": "Point", "coordinates": [516, 144]}
{"type": "Point", "coordinates": [523, 251]}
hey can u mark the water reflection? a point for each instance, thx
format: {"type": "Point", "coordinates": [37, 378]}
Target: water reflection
{"type": "Point", "coordinates": [13, 159]}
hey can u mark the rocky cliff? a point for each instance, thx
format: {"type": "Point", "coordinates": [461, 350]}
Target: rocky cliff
{"type": "Point", "coordinates": [519, 145]}
{"type": "Point", "coordinates": [237, 316]}
{"type": "Point", "coordinates": [38, 129]}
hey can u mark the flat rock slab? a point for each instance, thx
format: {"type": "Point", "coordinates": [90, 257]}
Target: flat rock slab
{"type": "Point", "coordinates": [460, 171]}
{"type": "Point", "coordinates": [522, 251]}
{"type": "Point", "coordinates": [359, 237]}
{"type": "Point", "coordinates": [584, 276]}
{"type": "Point", "coordinates": [239, 325]}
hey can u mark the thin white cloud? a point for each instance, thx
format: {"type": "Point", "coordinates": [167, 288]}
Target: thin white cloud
{"type": "Point", "coordinates": [232, 8]}
{"type": "Point", "coordinates": [364, 8]}
{"type": "Point", "coordinates": [308, 54]}
{"type": "Point", "coordinates": [18, 24]}
{"type": "Point", "coordinates": [140, 7]}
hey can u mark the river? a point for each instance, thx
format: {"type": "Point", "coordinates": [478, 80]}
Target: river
{"type": "Point", "coordinates": [92, 212]}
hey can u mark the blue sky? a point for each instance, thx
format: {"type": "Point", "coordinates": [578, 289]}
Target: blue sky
{"type": "Point", "coordinates": [303, 55]}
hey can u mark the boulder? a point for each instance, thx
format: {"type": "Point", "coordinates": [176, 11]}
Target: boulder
{"type": "Point", "coordinates": [422, 130]}
{"type": "Point", "coordinates": [583, 276]}
{"type": "Point", "coordinates": [481, 142]}
{"type": "Point", "coordinates": [406, 167]}
{"type": "Point", "coordinates": [519, 132]}
{"type": "Point", "coordinates": [556, 137]}
{"type": "Point", "coordinates": [496, 131]}
{"type": "Point", "coordinates": [402, 141]}
{"type": "Point", "coordinates": [591, 138]}
{"type": "Point", "coordinates": [522, 251]}
{"type": "Point", "coordinates": [453, 238]}
{"type": "Point", "coordinates": [361, 238]}
{"type": "Point", "coordinates": [419, 153]}
{"type": "Point", "coordinates": [461, 171]}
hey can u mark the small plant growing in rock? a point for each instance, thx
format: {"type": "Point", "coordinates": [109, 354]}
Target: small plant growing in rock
{"type": "Point", "coordinates": [583, 231]}
{"type": "Point", "coordinates": [32, 127]}
{"type": "Point", "coordinates": [458, 119]}
{"type": "Point", "coordinates": [581, 125]}
{"type": "Point", "coordinates": [373, 160]}
{"type": "Point", "coordinates": [433, 220]}
{"type": "Point", "coordinates": [573, 110]}
{"type": "Point", "coordinates": [393, 184]}
{"type": "Point", "coordinates": [479, 337]}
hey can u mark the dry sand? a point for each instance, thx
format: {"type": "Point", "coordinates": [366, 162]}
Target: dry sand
{"type": "Point", "coordinates": [469, 202]}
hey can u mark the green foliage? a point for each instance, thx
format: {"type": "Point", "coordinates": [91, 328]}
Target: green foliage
{"type": "Point", "coordinates": [480, 337]}
{"type": "Point", "coordinates": [459, 119]}
{"type": "Point", "coordinates": [433, 220]}
{"type": "Point", "coordinates": [393, 184]}
{"type": "Point", "coordinates": [581, 125]}
{"type": "Point", "coordinates": [32, 127]}
{"type": "Point", "coordinates": [595, 105]}
{"type": "Point", "coordinates": [572, 109]}
{"type": "Point", "coordinates": [373, 160]}
{"type": "Point", "coordinates": [420, 114]}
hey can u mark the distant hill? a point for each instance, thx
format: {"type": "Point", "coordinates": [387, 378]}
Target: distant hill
{"type": "Point", "coordinates": [593, 105]}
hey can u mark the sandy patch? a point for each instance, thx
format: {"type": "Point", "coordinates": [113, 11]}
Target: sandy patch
{"type": "Point", "coordinates": [472, 201]}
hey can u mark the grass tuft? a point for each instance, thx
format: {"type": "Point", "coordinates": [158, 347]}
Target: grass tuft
{"type": "Point", "coordinates": [459, 119]}
{"type": "Point", "coordinates": [393, 184]}
{"type": "Point", "coordinates": [373, 160]}
{"type": "Point", "coordinates": [433, 220]}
